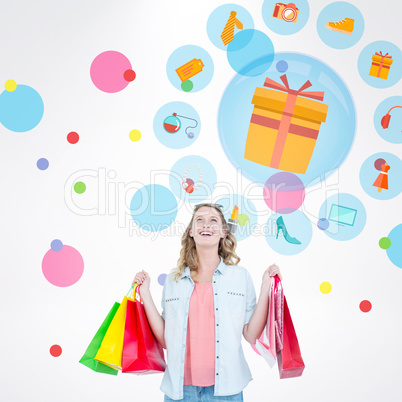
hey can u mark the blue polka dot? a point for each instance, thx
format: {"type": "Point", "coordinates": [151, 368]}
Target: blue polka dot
{"type": "Point", "coordinates": [42, 163]}
{"type": "Point", "coordinates": [282, 66]}
{"type": "Point", "coordinates": [323, 224]}
{"type": "Point", "coordinates": [21, 110]}
{"type": "Point", "coordinates": [162, 279]}
{"type": "Point", "coordinates": [394, 252]}
{"type": "Point", "coordinates": [250, 53]}
{"type": "Point", "coordinates": [56, 245]}
{"type": "Point", "coordinates": [153, 208]}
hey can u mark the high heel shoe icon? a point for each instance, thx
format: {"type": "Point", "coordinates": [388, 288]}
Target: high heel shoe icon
{"type": "Point", "coordinates": [280, 224]}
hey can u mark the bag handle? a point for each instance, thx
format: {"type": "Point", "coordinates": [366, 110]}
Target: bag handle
{"type": "Point", "coordinates": [277, 282]}
{"type": "Point", "coordinates": [137, 294]}
{"type": "Point", "coordinates": [134, 293]}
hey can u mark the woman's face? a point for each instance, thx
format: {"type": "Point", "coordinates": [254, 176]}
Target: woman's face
{"type": "Point", "coordinates": [207, 227]}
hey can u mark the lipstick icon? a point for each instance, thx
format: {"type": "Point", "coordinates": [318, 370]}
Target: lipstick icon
{"type": "Point", "coordinates": [233, 220]}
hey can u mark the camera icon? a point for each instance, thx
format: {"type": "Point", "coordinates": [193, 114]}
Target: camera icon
{"type": "Point", "coordinates": [286, 12]}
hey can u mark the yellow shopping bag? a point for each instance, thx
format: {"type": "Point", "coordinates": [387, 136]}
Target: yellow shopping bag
{"type": "Point", "coordinates": [111, 349]}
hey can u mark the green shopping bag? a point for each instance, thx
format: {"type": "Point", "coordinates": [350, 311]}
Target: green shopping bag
{"type": "Point", "coordinates": [88, 358]}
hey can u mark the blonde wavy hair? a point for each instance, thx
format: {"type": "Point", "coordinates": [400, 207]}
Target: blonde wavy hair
{"type": "Point", "coordinates": [188, 253]}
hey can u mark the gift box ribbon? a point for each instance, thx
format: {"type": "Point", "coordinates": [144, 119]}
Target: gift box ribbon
{"type": "Point", "coordinates": [380, 66]}
{"type": "Point", "coordinates": [284, 124]}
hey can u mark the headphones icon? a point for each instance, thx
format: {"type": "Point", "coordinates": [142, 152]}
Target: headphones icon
{"type": "Point", "coordinates": [385, 119]}
{"type": "Point", "coordinates": [188, 184]}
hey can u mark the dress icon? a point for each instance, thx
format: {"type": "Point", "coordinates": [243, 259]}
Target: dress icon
{"type": "Point", "coordinates": [382, 180]}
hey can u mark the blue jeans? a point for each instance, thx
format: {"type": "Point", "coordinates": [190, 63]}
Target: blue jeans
{"type": "Point", "coordinates": [193, 393]}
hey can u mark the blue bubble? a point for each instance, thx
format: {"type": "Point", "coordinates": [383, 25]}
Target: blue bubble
{"type": "Point", "coordinates": [394, 252]}
{"type": "Point", "coordinates": [250, 53]}
{"type": "Point", "coordinates": [297, 229]}
{"type": "Point", "coordinates": [202, 64]}
{"type": "Point", "coordinates": [336, 13]}
{"type": "Point", "coordinates": [282, 18]}
{"type": "Point", "coordinates": [194, 171]}
{"type": "Point", "coordinates": [335, 136]}
{"type": "Point", "coordinates": [42, 163]}
{"type": "Point", "coordinates": [364, 64]}
{"type": "Point", "coordinates": [369, 174]}
{"type": "Point", "coordinates": [56, 245]}
{"type": "Point", "coordinates": [387, 122]}
{"type": "Point", "coordinates": [21, 110]}
{"type": "Point", "coordinates": [178, 131]}
{"type": "Point", "coordinates": [153, 208]}
{"type": "Point", "coordinates": [346, 216]}
{"type": "Point", "coordinates": [245, 207]}
{"type": "Point", "coordinates": [282, 66]}
{"type": "Point", "coordinates": [218, 18]}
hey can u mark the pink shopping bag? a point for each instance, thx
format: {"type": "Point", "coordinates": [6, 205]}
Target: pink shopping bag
{"type": "Point", "coordinates": [266, 344]}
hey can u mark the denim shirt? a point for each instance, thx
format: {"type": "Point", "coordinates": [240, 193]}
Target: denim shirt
{"type": "Point", "coordinates": [234, 304]}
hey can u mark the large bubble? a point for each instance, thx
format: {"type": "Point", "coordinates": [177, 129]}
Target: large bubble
{"type": "Point", "coordinates": [316, 135]}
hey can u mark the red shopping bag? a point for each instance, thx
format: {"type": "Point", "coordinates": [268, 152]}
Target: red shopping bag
{"type": "Point", "coordinates": [290, 362]}
{"type": "Point", "coordinates": [142, 353]}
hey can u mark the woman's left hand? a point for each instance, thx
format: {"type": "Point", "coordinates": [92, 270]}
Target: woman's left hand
{"type": "Point", "coordinates": [271, 271]}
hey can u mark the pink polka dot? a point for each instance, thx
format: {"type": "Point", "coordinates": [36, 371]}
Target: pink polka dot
{"type": "Point", "coordinates": [108, 70]}
{"type": "Point", "coordinates": [63, 268]}
{"type": "Point", "coordinates": [365, 306]}
{"type": "Point", "coordinates": [55, 350]}
{"type": "Point", "coordinates": [284, 192]}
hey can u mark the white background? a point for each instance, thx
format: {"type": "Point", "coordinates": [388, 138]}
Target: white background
{"type": "Point", "coordinates": [49, 45]}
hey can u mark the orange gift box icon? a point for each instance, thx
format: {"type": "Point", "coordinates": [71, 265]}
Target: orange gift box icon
{"type": "Point", "coordinates": [284, 126]}
{"type": "Point", "coordinates": [380, 65]}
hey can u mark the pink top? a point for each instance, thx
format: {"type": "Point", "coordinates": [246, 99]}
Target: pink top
{"type": "Point", "coordinates": [199, 364]}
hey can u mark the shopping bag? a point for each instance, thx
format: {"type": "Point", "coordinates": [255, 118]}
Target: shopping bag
{"type": "Point", "coordinates": [266, 344]}
{"type": "Point", "coordinates": [290, 362]}
{"type": "Point", "coordinates": [142, 353]}
{"type": "Point", "coordinates": [279, 301]}
{"type": "Point", "coordinates": [111, 349]}
{"type": "Point", "coordinates": [88, 358]}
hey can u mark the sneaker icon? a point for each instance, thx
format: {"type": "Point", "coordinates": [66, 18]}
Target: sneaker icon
{"type": "Point", "coordinates": [345, 26]}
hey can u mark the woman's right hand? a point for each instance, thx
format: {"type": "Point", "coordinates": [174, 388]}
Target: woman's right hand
{"type": "Point", "coordinates": [143, 279]}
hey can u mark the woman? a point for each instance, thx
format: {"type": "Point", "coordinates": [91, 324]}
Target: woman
{"type": "Point", "coordinates": [208, 302]}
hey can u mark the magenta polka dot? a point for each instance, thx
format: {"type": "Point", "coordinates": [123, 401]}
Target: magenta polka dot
{"type": "Point", "coordinates": [284, 193]}
{"type": "Point", "coordinates": [63, 268]}
{"type": "Point", "coordinates": [108, 69]}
